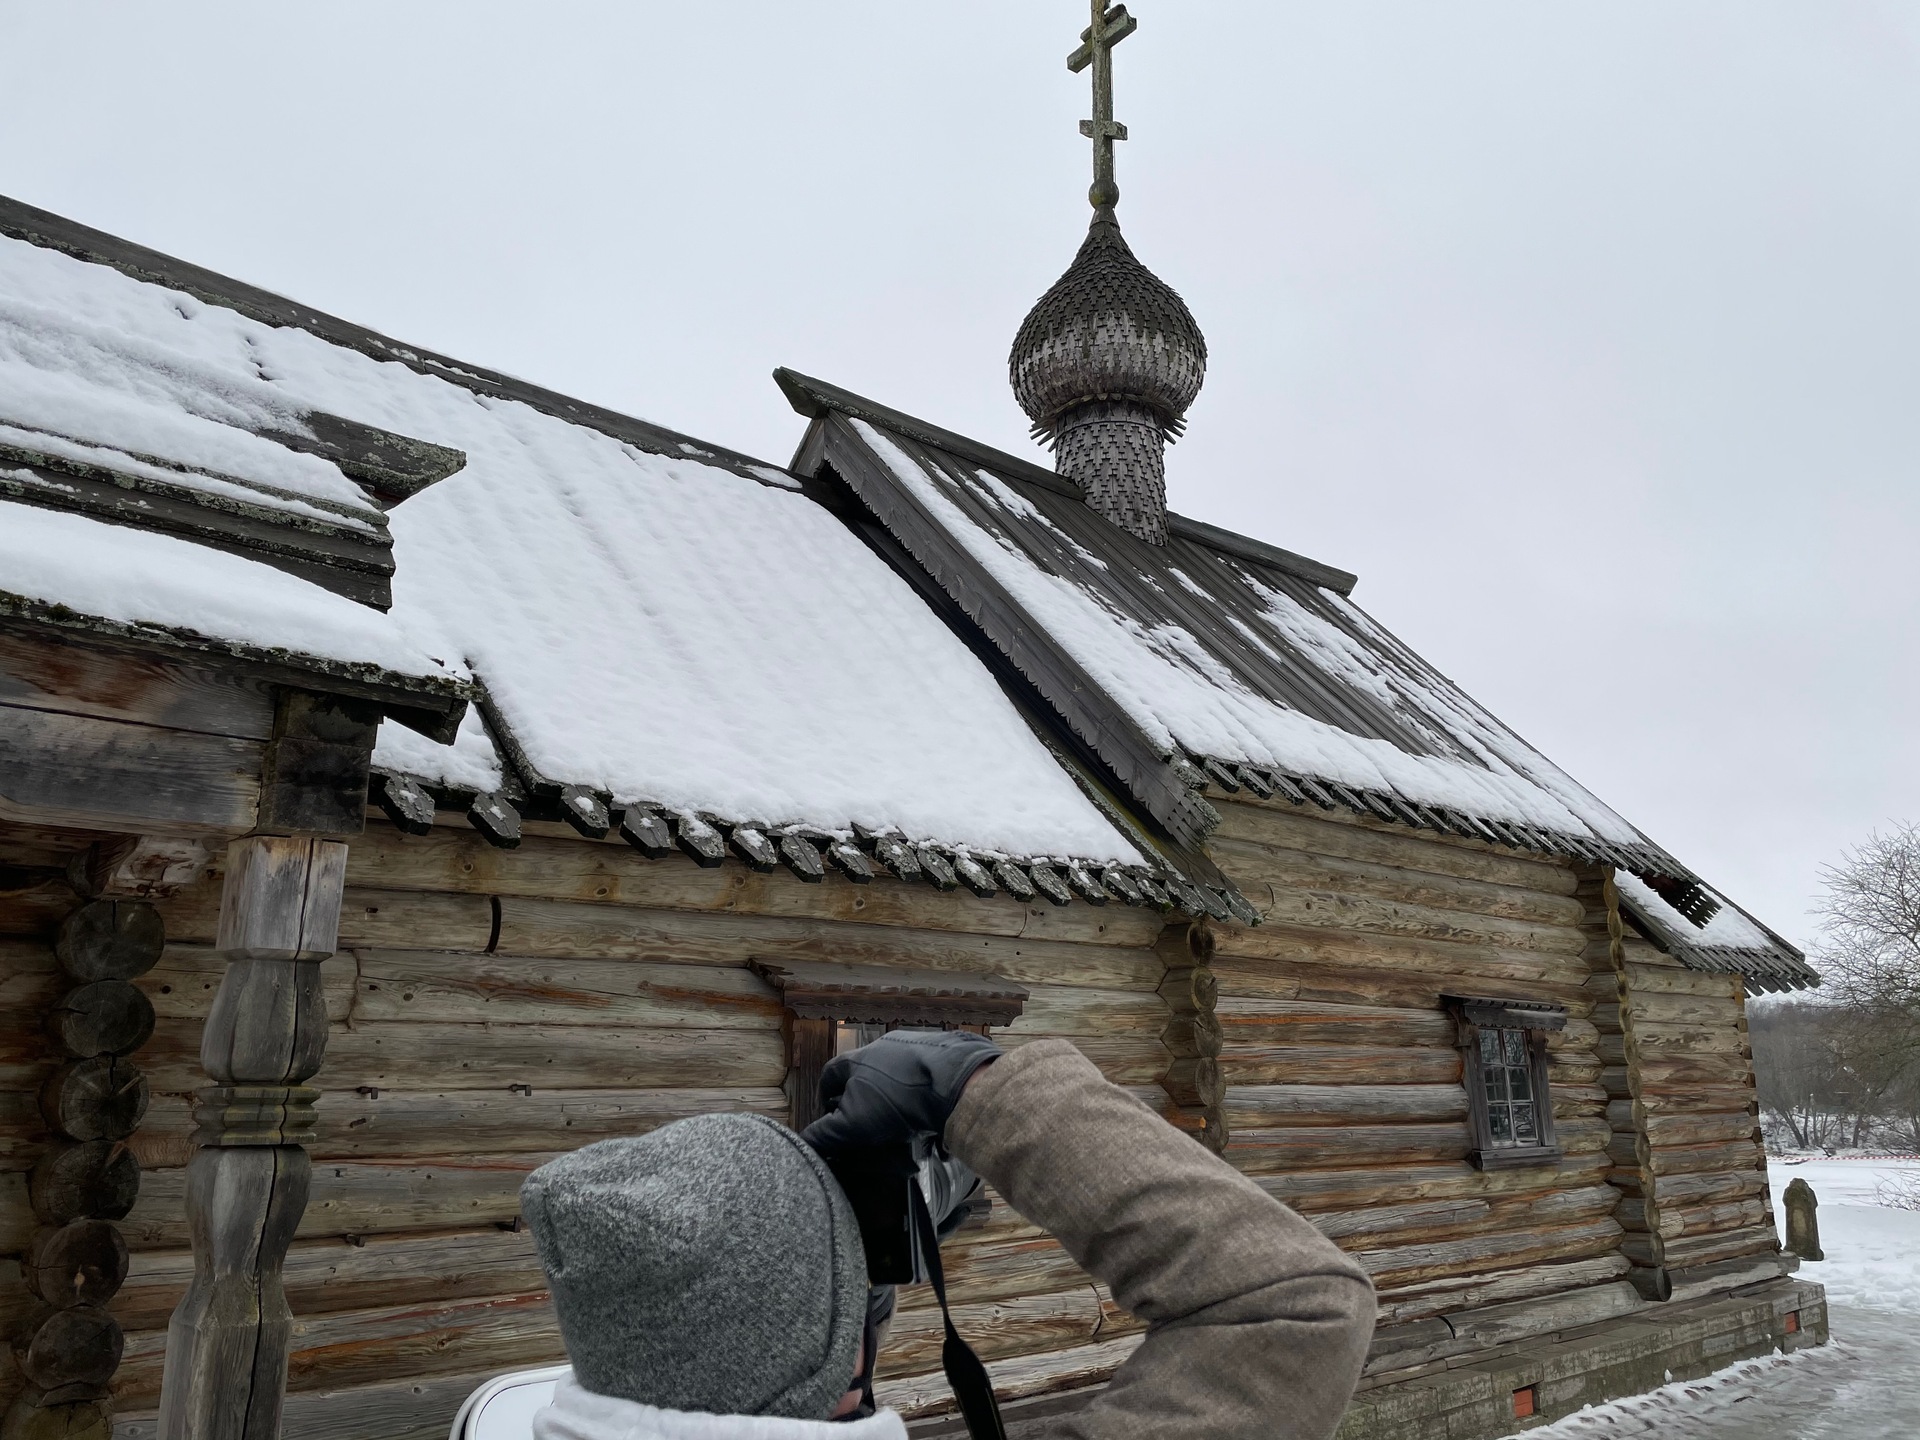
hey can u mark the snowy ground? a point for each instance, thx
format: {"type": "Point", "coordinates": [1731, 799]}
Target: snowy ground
{"type": "Point", "coordinates": [1863, 1386]}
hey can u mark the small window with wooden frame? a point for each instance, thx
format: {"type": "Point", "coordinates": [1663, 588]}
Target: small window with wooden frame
{"type": "Point", "coordinates": [1503, 1050]}
{"type": "Point", "coordinates": [834, 1008]}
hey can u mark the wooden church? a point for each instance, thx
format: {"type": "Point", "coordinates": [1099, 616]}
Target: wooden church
{"type": "Point", "coordinates": [408, 774]}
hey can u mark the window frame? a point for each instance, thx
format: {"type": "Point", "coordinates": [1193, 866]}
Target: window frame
{"type": "Point", "coordinates": [1474, 1014]}
{"type": "Point", "coordinates": [819, 995]}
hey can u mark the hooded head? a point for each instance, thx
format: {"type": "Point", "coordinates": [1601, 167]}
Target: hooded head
{"type": "Point", "coordinates": [713, 1265]}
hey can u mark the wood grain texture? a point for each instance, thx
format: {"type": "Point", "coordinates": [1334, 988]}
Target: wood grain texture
{"type": "Point", "coordinates": [43, 673]}
{"type": "Point", "coordinates": [422, 986]}
{"type": "Point", "coordinates": [1280, 867]}
{"type": "Point", "coordinates": [107, 774]}
{"type": "Point", "coordinates": [612, 873]}
{"type": "Point", "coordinates": [567, 929]}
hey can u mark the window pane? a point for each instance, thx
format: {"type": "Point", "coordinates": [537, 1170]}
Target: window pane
{"type": "Point", "coordinates": [1524, 1131]}
{"type": "Point", "coordinates": [1489, 1047]}
{"type": "Point", "coordinates": [1516, 1046]}
{"type": "Point", "coordinates": [1502, 1125]}
{"type": "Point", "coordinates": [1494, 1077]}
{"type": "Point", "coordinates": [1521, 1080]}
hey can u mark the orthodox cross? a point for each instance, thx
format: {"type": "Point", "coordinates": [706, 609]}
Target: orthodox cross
{"type": "Point", "coordinates": [1111, 25]}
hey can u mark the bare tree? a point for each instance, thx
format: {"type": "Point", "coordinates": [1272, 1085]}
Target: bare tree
{"type": "Point", "coordinates": [1871, 949]}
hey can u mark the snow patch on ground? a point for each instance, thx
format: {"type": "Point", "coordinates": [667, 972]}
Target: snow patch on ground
{"type": "Point", "coordinates": [1863, 1385]}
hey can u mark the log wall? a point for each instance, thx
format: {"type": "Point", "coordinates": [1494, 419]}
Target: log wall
{"type": "Point", "coordinates": [490, 1009]}
{"type": "Point", "coordinates": [1343, 1086]}
{"type": "Point", "coordinates": [1686, 1147]}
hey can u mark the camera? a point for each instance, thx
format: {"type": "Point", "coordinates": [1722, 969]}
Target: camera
{"type": "Point", "coordinates": [879, 1185]}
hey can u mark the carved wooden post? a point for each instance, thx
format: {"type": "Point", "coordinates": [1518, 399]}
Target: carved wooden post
{"type": "Point", "coordinates": [226, 1366]}
{"type": "Point", "coordinates": [1803, 1223]}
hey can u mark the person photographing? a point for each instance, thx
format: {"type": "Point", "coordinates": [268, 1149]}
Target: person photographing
{"type": "Point", "coordinates": [711, 1281]}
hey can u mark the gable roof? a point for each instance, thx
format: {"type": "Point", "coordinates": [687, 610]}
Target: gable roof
{"type": "Point", "coordinates": [1214, 659]}
{"type": "Point", "coordinates": [1716, 936]}
{"type": "Point", "coordinates": [656, 626]}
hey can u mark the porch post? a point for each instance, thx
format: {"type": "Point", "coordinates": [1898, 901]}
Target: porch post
{"type": "Point", "coordinates": [226, 1364]}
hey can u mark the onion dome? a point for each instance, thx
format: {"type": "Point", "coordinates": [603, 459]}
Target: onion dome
{"type": "Point", "coordinates": [1112, 331]}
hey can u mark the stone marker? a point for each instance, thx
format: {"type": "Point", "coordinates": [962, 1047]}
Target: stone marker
{"type": "Point", "coordinates": [1803, 1224]}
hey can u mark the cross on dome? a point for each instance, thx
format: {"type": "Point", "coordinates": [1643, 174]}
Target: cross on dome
{"type": "Point", "coordinates": [1111, 25]}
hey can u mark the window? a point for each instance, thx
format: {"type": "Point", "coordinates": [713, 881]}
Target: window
{"type": "Point", "coordinates": [1503, 1047]}
{"type": "Point", "coordinates": [832, 1009]}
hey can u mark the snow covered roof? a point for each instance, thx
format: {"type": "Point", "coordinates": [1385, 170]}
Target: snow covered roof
{"type": "Point", "coordinates": [1716, 935]}
{"type": "Point", "coordinates": [1214, 660]}
{"type": "Point", "coordinates": [657, 626]}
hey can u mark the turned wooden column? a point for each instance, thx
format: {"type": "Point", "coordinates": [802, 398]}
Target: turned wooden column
{"type": "Point", "coordinates": [226, 1365]}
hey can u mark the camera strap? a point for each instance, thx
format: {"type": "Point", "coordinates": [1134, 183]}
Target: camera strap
{"type": "Point", "coordinates": [968, 1377]}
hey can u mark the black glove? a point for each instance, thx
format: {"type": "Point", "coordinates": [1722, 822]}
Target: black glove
{"type": "Point", "coordinates": [900, 1088]}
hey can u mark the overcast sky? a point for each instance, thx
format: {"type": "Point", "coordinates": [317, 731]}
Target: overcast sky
{"type": "Point", "coordinates": [1587, 333]}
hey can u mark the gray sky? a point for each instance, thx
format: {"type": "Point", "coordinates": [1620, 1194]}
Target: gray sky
{"type": "Point", "coordinates": [1588, 334]}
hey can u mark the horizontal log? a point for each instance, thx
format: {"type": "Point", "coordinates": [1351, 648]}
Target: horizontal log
{"type": "Point", "coordinates": [1077, 1010]}
{"type": "Point", "coordinates": [361, 1198]}
{"type": "Point", "coordinates": [1260, 1151]}
{"type": "Point", "coordinates": [1423, 1217]}
{"type": "Point", "coordinates": [1693, 1159]}
{"type": "Point", "coordinates": [609, 872]}
{"type": "Point", "coordinates": [1574, 1070]}
{"type": "Point", "coordinates": [1241, 819]}
{"type": "Point", "coordinates": [1636, 951]}
{"type": "Point", "coordinates": [323, 1276]}
{"type": "Point", "coordinates": [1681, 1190]}
{"type": "Point", "coordinates": [1654, 1007]}
{"type": "Point", "coordinates": [1663, 979]}
{"type": "Point", "coordinates": [1381, 982]}
{"type": "Point", "coordinates": [996, 1329]}
{"type": "Point", "coordinates": [573, 930]}
{"type": "Point", "coordinates": [1123, 1059]}
{"type": "Point", "coordinates": [1398, 1348]}
{"type": "Point", "coordinates": [560, 1057]}
{"type": "Point", "coordinates": [183, 984]}
{"type": "Point", "coordinates": [1656, 1038]}
{"type": "Point", "coordinates": [364, 1347]}
{"type": "Point", "coordinates": [1342, 1064]}
{"type": "Point", "coordinates": [1713, 1219]}
{"type": "Point", "coordinates": [1435, 1220]}
{"type": "Point", "coordinates": [407, 1409]}
{"type": "Point", "coordinates": [1414, 1264]}
{"type": "Point", "coordinates": [1330, 910]}
{"type": "Point", "coordinates": [428, 987]}
{"type": "Point", "coordinates": [1257, 1106]}
{"type": "Point", "coordinates": [1671, 1072]}
{"type": "Point", "coordinates": [1687, 1250]}
{"type": "Point", "coordinates": [397, 1124]}
{"type": "Point", "coordinates": [369, 918]}
{"type": "Point", "coordinates": [1313, 1191]}
{"type": "Point", "coordinates": [1252, 863]}
{"type": "Point", "coordinates": [1406, 1304]}
{"type": "Point", "coordinates": [44, 674]}
{"type": "Point", "coordinates": [1665, 1130]}
{"type": "Point", "coordinates": [1578, 1101]}
{"type": "Point", "coordinates": [1575, 1035]}
{"type": "Point", "coordinates": [1016, 1378]}
{"type": "Point", "coordinates": [1304, 1022]}
{"type": "Point", "coordinates": [96, 774]}
{"type": "Point", "coordinates": [1691, 1100]}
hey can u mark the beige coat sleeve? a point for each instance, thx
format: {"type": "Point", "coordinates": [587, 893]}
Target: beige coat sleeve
{"type": "Point", "coordinates": [1257, 1324]}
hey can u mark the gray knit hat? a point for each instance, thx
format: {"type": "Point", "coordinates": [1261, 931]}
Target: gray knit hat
{"type": "Point", "coordinates": [712, 1265]}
